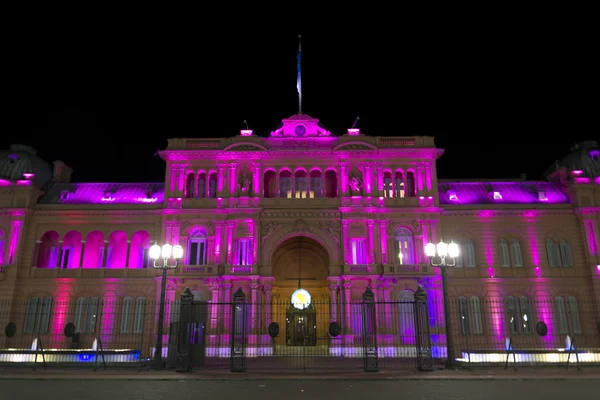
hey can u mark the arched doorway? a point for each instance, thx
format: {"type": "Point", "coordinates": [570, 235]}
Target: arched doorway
{"type": "Point", "coordinates": [300, 268]}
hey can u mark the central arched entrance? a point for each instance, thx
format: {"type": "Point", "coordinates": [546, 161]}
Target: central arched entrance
{"type": "Point", "coordinates": [300, 290]}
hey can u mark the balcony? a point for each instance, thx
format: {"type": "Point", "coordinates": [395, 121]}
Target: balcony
{"type": "Point", "coordinates": [92, 273]}
{"type": "Point", "coordinates": [200, 203]}
{"type": "Point", "coordinates": [197, 270]}
{"type": "Point", "coordinates": [318, 202]}
{"type": "Point", "coordinates": [408, 269]}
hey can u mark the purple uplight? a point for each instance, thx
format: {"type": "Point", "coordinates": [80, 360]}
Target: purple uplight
{"type": "Point", "coordinates": [106, 193]}
{"type": "Point", "coordinates": [28, 175]}
{"type": "Point", "coordinates": [246, 132]}
{"type": "Point", "coordinates": [538, 272]}
{"type": "Point", "coordinates": [598, 268]}
{"type": "Point", "coordinates": [491, 272]}
{"type": "Point", "coordinates": [510, 193]}
{"type": "Point", "coordinates": [577, 172]}
{"type": "Point", "coordinates": [582, 180]}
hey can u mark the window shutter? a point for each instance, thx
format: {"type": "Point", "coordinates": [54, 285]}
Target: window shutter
{"type": "Point", "coordinates": [551, 251]}
{"type": "Point", "coordinates": [516, 253]}
{"type": "Point", "coordinates": [477, 322]}
{"type": "Point", "coordinates": [574, 314]}
{"type": "Point", "coordinates": [126, 315]}
{"type": "Point", "coordinates": [45, 315]}
{"type": "Point", "coordinates": [561, 316]}
{"type": "Point", "coordinates": [565, 252]}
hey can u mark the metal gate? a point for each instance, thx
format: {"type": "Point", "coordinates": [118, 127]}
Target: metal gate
{"type": "Point", "coordinates": [361, 335]}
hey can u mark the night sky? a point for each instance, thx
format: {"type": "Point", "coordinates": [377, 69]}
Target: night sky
{"type": "Point", "coordinates": [501, 100]}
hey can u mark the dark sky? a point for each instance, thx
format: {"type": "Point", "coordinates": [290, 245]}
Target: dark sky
{"type": "Point", "coordinates": [502, 99]}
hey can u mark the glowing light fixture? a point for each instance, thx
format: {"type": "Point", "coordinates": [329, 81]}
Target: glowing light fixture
{"type": "Point", "coordinates": [301, 299]}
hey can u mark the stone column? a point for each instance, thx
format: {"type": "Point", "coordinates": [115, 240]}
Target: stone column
{"type": "Point", "coordinates": [128, 254]}
{"type": "Point", "coordinates": [383, 240]}
{"type": "Point", "coordinates": [257, 181]}
{"type": "Point", "coordinates": [268, 306]}
{"type": "Point", "coordinates": [221, 180]}
{"type": "Point", "coordinates": [215, 288]}
{"type": "Point", "coordinates": [368, 178]}
{"type": "Point", "coordinates": [36, 253]}
{"type": "Point", "coordinates": [370, 242]}
{"type": "Point", "coordinates": [217, 243]}
{"type": "Point", "coordinates": [254, 286]}
{"type": "Point", "coordinates": [105, 254]}
{"type": "Point", "coordinates": [333, 293]}
{"type": "Point", "coordinates": [380, 179]}
{"type": "Point", "coordinates": [347, 254]}
{"type": "Point", "coordinates": [232, 179]}
{"type": "Point", "coordinates": [230, 226]}
{"type": "Point", "coordinates": [225, 308]}
{"type": "Point", "coordinates": [343, 187]}
{"type": "Point", "coordinates": [82, 254]}
{"type": "Point", "coordinates": [59, 252]}
{"type": "Point", "coordinates": [16, 227]}
{"type": "Point", "coordinates": [347, 286]}
{"type": "Point", "coordinates": [181, 173]}
{"type": "Point", "coordinates": [255, 240]}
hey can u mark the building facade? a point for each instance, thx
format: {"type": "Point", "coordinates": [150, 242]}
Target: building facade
{"type": "Point", "coordinates": [304, 208]}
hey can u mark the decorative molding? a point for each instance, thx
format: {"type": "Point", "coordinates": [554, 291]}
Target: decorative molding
{"type": "Point", "coordinates": [355, 146]}
{"type": "Point", "coordinates": [299, 214]}
{"type": "Point", "coordinates": [172, 284]}
{"type": "Point", "coordinates": [333, 228]}
{"type": "Point", "coordinates": [185, 155]}
{"type": "Point", "coordinates": [245, 146]}
{"type": "Point", "coordinates": [514, 213]}
{"type": "Point", "coordinates": [267, 230]}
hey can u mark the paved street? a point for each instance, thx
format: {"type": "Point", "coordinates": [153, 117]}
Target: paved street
{"type": "Point", "coordinates": [299, 389]}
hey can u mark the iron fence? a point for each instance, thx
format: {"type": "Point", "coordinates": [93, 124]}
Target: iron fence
{"type": "Point", "coordinates": [280, 335]}
{"type": "Point", "coordinates": [522, 331]}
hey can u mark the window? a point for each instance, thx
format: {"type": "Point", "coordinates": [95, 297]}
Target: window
{"type": "Point", "coordinates": [212, 185]}
{"type": "Point", "coordinates": [404, 247]}
{"type": "Point", "coordinates": [109, 253]}
{"type": "Point", "coordinates": [53, 257]}
{"type": "Point", "coordinates": [126, 315]}
{"type": "Point", "coordinates": [520, 318]}
{"type": "Point", "coordinates": [559, 254]}
{"type": "Point", "coordinates": [463, 316]}
{"type": "Point", "coordinates": [504, 255]}
{"type": "Point", "coordinates": [243, 252]}
{"type": "Point", "coordinates": [78, 317]}
{"type": "Point", "coordinates": [143, 257]}
{"type": "Point", "coordinates": [574, 314]}
{"type": "Point", "coordinates": [399, 184]}
{"type": "Point", "coordinates": [359, 251]}
{"type": "Point", "coordinates": [38, 313]}
{"type": "Point", "coordinates": [458, 261]}
{"type": "Point", "coordinates": [469, 313]}
{"type": "Point", "coordinates": [406, 319]}
{"type": "Point", "coordinates": [517, 257]}
{"type": "Point", "coordinates": [316, 187]}
{"type": "Point", "coordinates": [565, 253]}
{"type": "Point", "coordinates": [477, 322]}
{"type": "Point", "coordinates": [140, 314]}
{"type": "Point", "coordinates": [91, 317]}
{"type": "Point", "coordinates": [561, 316]}
{"type": "Point", "coordinates": [285, 184]}
{"type": "Point", "coordinates": [510, 257]}
{"type": "Point", "coordinates": [67, 253]}
{"type": "Point", "coordinates": [388, 190]}
{"type": "Point", "coordinates": [198, 248]}
{"type": "Point", "coordinates": [469, 253]}
{"type": "Point", "coordinates": [202, 185]}
{"type": "Point", "coordinates": [300, 184]}
{"type": "Point", "coordinates": [190, 186]}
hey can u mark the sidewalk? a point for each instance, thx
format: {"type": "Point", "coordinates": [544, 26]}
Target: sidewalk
{"type": "Point", "coordinates": [483, 374]}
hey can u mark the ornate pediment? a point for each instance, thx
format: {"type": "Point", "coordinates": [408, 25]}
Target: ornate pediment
{"type": "Point", "coordinates": [245, 146]}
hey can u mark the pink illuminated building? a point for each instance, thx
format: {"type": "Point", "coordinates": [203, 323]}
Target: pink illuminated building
{"type": "Point", "coordinates": [339, 212]}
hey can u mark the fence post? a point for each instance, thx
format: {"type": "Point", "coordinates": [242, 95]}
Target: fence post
{"type": "Point", "coordinates": [183, 362]}
{"type": "Point", "coordinates": [369, 332]}
{"type": "Point", "coordinates": [424, 356]}
{"type": "Point", "coordinates": [238, 332]}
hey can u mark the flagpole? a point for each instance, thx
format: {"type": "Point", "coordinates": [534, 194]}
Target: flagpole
{"type": "Point", "coordinates": [299, 77]}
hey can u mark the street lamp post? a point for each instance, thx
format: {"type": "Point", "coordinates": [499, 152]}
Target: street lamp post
{"type": "Point", "coordinates": [443, 255]}
{"type": "Point", "coordinates": [167, 253]}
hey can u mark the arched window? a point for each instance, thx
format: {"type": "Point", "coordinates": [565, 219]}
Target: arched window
{"type": "Point", "coordinates": [517, 256]}
{"type": "Point", "coordinates": [316, 184]}
{"type": "Point", "coordinates": [410, 184]}
{"type": "Point", "coordinates": [285, 184]}
{"type": "Point", "coordinates": [504, 254]}
{"type": "Point", "coordinates": [202, 192]}
{"type": "Point", "coordinates": [404, 247]}
{"type": "Point", "coordinates": [331, 187]}
{"type": "Point", "coordinates": [399, 184]}
{"type": "Point", "coordinates": [388, 190]}
{"type": "Point", "coordinates": [300, 187]}
{"type": "Point", "coordinates": [406, 319]}
{"type": "Point", "coordinates": [198, 248]}
{"type": "Point", "coordinates": [212, 185]}
{"type": "Point", "coordinates": [190, 186]}
{"type": "Point", "coordinates": [270, 184]}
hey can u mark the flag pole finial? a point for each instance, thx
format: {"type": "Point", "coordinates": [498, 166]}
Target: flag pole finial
{"type": "Point", "coordinates": [299, 77]}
